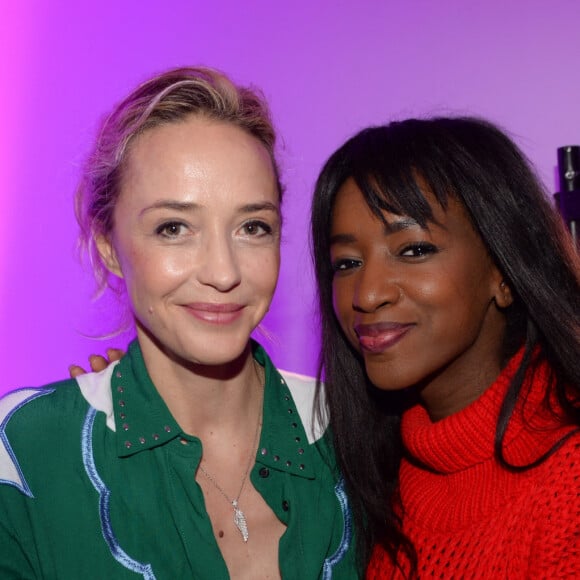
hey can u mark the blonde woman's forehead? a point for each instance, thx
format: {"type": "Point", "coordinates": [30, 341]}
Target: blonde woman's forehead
{"type": "Point", "coordinates": [197, 161]}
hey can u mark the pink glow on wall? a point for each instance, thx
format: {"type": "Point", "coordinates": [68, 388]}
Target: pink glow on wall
{"type": "Point", "coordinates": [18, 26]}
{"type": "Point", "coordinates": [328, 68]}
{"type": "Point", "coordinates": [17, 45]}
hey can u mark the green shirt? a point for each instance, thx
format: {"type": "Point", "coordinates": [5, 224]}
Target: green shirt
{"type": "Point", "coordinates": [95, 483]}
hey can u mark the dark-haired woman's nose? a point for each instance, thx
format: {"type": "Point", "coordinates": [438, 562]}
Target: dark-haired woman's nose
{"type": "Point", "coordinates": [375, 287]}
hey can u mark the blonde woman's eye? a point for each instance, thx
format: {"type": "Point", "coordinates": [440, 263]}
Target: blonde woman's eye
{"type": "Point", "coordinates": [170, 229]}
{"type": "Point", "coordinates": [257, 228]}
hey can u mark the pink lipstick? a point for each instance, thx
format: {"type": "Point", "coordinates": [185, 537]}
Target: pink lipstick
{"type": "Point", "coordinates": [376, 338]}
{"type": "Point", "coordinates": [215, 313]}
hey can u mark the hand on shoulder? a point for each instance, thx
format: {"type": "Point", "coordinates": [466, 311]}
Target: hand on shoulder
{"type": "Point", "coordinates": [97, 362]}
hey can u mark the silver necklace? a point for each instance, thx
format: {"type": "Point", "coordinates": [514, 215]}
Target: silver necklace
{"type": "Point", "coordinates": [239, 516]}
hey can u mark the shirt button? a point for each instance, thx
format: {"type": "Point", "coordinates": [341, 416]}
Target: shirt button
{"type": "Point", "coordinates": [264, 472]}
{"type": "Point", "coordinates": [285, 506]}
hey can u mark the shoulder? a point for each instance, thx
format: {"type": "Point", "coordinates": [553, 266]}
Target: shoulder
{"type": "Point", "coordinates": [303, 390]}
{"type": "Point", "coordinates": [33, 403]}
{"type": "Point", "coordinates": [556, 551]}
{"type": "Point", "coordinates": [35, 422]}
{"type": "Point", "coordinates": [555, 488]}
{"type": "Point", "coordinates": [27, 417]}
{"type": "Point", "coordinates": [96, 391]}
{"type": "Point", "coordinates": [42, 405]}
{"type": "Point", "coordinates": [561, 471]}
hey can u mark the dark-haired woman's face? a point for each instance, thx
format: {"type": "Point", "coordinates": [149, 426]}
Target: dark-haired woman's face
{"type": "Point", "coordinates": [419, 304]}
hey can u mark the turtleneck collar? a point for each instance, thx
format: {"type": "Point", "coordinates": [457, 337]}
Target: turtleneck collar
{"type": "Point", "coordinates": [466, 438]}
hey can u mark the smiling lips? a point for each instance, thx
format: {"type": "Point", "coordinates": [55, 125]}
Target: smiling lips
{"type": "Point", "coordinates": [376, 338]}
{"type": "Point", "coordinates": [215, 313]}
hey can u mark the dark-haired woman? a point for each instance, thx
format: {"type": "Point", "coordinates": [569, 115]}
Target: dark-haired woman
{"type": "Point", "coordinates": [450, 304]}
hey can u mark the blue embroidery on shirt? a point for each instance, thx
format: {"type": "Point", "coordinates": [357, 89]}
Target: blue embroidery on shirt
{"type": "Point", "coordinates": [342, 549]}
{"type": "Point", "coordinates": [8, 461]}
{"type": "Point", "coordinates": [104, 496]}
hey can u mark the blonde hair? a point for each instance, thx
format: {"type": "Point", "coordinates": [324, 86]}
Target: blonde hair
{"type": "Point", "coordinates": [169, 97]}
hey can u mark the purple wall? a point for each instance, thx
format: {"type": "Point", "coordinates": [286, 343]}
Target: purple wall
{"type": "Point", "coordinates": [328, 67]}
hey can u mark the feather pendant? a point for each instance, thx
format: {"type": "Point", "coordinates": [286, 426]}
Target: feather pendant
{"type": "Point", "coordinates": [240, 521]}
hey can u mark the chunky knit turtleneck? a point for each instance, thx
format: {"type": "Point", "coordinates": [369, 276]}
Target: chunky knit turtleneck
{"type": "Point", "coordinates": [469, 517]}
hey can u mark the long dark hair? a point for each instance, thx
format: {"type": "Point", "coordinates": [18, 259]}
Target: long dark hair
{"type": "Point", "coordinates": [477, 164]}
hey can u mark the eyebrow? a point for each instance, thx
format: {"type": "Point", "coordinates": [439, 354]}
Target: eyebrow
{"type": "Point", "coordinates": [171, 204]}
{"type": "Point", "coordinates": [398, 225]}
{"type": "Point", "coordinates": [265, 206]}
{"type": "Point", "coordinates": [184, 206]}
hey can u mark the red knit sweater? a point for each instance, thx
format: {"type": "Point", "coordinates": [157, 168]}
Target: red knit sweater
{"type": "Point", "coordinates": [467, 516]}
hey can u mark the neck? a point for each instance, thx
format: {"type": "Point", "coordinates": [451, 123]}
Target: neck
{"type": "Point", "coordinates": [206, 399]}
{"type": "Point", "coordinates": [463, 380]}
{"type": "Point", "coordinates": [450, 397]}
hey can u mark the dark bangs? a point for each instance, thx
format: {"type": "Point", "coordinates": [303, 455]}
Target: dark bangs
{"type": "Point", "coordinates": [394, 167]}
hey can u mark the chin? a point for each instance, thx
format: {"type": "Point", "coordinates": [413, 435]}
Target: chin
{"type": "Point", "coordinates": [383, 378]}
{"type": "Point", "coordinates": [215, 355]}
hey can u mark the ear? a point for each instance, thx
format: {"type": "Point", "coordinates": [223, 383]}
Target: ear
{"type": "Point", "coordinates": [503, 296]}
{"type": "Point", "coordinates": [108, 255]}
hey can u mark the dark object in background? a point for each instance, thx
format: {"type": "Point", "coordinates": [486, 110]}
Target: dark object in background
{"type": "Point", "coordinates": [568, 198]}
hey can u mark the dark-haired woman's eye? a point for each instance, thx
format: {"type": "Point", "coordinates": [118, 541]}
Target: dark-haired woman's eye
{"type": "Point", "coordinates": [418, 250]}
{"type": "Point", "coordinates": [345, 264]}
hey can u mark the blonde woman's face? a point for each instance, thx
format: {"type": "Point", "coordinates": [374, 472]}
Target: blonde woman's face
{"type": "Point", "coordinates": [196, 238]}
